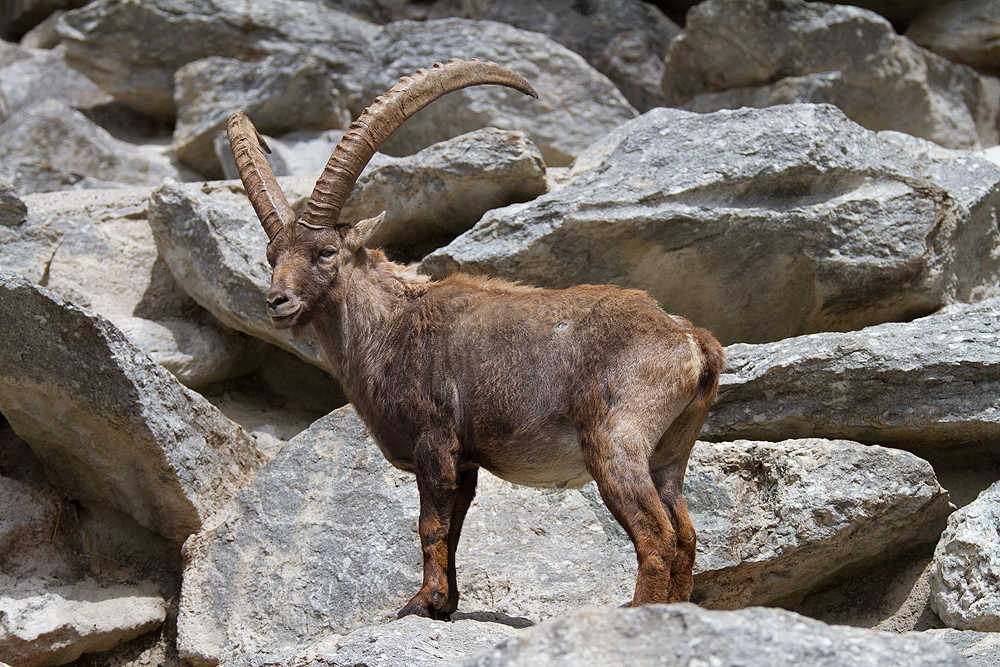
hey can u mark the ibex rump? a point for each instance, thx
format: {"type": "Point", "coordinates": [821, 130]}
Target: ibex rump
{"type": "Point", "coordinates": [540, 387]}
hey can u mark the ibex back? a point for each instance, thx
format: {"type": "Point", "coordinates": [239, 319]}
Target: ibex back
{"type": "Point", "coordinates": [540, 387]}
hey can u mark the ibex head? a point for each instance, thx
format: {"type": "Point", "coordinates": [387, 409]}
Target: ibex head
{"type": "Point", "coordinates": [309, 253]}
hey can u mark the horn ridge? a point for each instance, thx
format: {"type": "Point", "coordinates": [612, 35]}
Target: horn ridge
{"type": "Point", "coordinates": [263, 191]}
{"type": "Point", "coordinates": [384, 116]}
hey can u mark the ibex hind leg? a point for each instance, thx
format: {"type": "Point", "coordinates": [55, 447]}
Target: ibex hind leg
{"type": "Point", "coordinates": [667, 468]}
{"type": "Point", "coordinates": [465, 493]}
{"type": "Point", "coordinates": [621, 470]}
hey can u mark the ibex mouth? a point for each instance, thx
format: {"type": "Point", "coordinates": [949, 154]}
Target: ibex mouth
{"type": "Point", "coordinates": [284, 313]}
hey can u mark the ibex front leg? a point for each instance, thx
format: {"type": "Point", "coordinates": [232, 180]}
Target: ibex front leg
{"type": "Point", "coordinates": [436, 458]}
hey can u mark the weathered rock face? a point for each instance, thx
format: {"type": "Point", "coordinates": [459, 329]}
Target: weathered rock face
{"type": "Point", "coordinates": [57, 625]}
{"type": "Point", "coordinates": [683, 634]}
{"type": "Point", "coordinates": [774, 520]}
{"type": "Point", "coordinates": [578, 107]}
{"type": "Point", "coordinates": [300, 153]}
{"type": "Point", "coordinates": [409, 642]}
{"type": "Point", "coordinates": [764, 53]}
{"type": "Point", "coordinates": [290, 605]}
{"type": "Point", "coordinates": [13, 211]}
{"type": "Point", "coordinates": [29, 515]}
{"type": "Point", "coordinates": [445, 189]}
{"type": "Point", "coordinates": [964, 32]}
{"type": "Point", "coordinates": [967, 566]}
{"type": "Point", "coordinates": [42, 75]}
{"type": "Point", "coordinates": [625, 41]}
{"type": "Point", "coordinates": [755, 224]}
{"type": "Point", "coordinates": [135, 439]}
{"type": "Point", "coordinates": [980, 649]}
{"type": "Point", "coordinates": [207, 91]}
{"type": "Point", "coordinates": [98, 39]}
{"type": "Point", "coordinates": [95, 248]}
{"type": "Point", "coordinates": [197, 351]}
{"type": "Point", "coordinates": [933, 382]}
{"type": "Point", "coordinates": [44, 35]}
{"type": "Point", "coordinates": [759, 224]}
{"type": "Point", "coordinates": [777, 519]}
{"type": "Point", "coordinates": [216, 252]}
{"type": "Point", "coordinates": [900, 12]}
{"type": "Point", "coordinates": [18, 17]}
{"type": "Point", "coordinates": [50, 146]}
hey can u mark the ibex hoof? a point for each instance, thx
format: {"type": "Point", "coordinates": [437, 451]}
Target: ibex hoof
{"type": "Point", "coordinates": [418, 609]}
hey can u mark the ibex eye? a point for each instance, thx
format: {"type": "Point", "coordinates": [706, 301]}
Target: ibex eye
{"type": "Point", "coordinates": [328, 251]}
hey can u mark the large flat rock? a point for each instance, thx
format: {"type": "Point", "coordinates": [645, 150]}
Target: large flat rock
{"type": "Point", "coordinates": [110, 425]}
{"type": "Point", "coordinates": [683, 634]}
{"type": "Point", "coordinates": [756, 224]}
{"type": "Point", "coordinates": [932, 382]}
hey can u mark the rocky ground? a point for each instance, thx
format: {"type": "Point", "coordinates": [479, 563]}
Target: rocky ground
{"type": "Point", "coordinates": [182, 484]}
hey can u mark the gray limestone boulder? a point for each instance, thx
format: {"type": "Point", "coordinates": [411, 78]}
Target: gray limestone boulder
{"type": "Point", "coordinates": [45, 625]}
{"type": "Point", "coordinates": [966, 566]}
{"type": "Point", "coordinates": [197, 351]}
{"type": "Point", "coordinates": [684, 634]}
{"type": "Point", "coordinates": [281, 93]}
{"type": "Point", "coordinates": [776, 520]}
{"type": "Point", "coordinates": [963, 31]}
{"type": "Point", "coordinates": [932, 382]}
{"type": "Point", "coordinates": [13, 210]}
{"type": "Point", "coordinates": [17, 18]}
{"type": "Point", "coordinates": [577, 105]}
{"type": "Point", "coordinates": [756, 224]}
{"type": "Point", "coordinates": [43, 35]}
{"type": "Point", "coordinates": [111, 426]}
{"type": "Point", "coordinates": [409, 642]}
{"type": "Point", "coordinates": [304, 556]}
{"type": "Point", "coordinates": [764, 52]}
{"type": "Point", "coordinates": [45, 75]}
{"type": "Point", "coordinates": [11, 52]}
{"type": "Point", "coordinates": [980, 649]}
{"type": "Point", "coordinates": [95, 248]}
{"type": "Point", "coordinates": [625, 41]}
{"type": "Point", "coordinates": [284, 569]}
{"type": "Point", "coordinates": [50, 146]}
{"type": "Point", "coordinates": [442, 191]}
{"type": "Point", "coordinates": [30, 542]}
{"type": "Point", "coordinates": [299, 153]}
{"type": "Point", "coordinates": [900, 12]}
{"type": "Point", "coordinates": [100, 40]}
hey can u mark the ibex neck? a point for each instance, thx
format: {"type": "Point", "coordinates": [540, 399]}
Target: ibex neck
{"type": "Point", "coordinates": [373, 294]}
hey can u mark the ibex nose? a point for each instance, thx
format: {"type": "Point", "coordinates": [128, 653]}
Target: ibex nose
{"type": "Point", "coordinates": [281, 304]}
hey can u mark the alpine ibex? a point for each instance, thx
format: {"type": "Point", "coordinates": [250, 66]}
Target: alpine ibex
{"type": "Point", "coordinates": [540, 387]}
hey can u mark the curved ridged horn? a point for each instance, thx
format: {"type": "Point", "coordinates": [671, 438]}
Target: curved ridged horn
{"type": "Point", "coordinates": [384, 116]}
{"type": "Point", "coordinates": [262, 188]}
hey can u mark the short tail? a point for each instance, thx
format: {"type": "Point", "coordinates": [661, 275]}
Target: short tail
{"type": "Point", "coordinates": [715, 363]}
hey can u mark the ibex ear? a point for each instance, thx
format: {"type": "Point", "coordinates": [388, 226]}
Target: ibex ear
{"type": "Point", "coordinates": [365, 228]}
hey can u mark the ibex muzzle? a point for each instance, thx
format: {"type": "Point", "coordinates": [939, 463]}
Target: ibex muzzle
{"type": "Point", "coordinates": [540, 387]}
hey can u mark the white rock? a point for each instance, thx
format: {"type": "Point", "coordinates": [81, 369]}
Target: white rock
{"type": "Point", "coordinates": [966, 567]}
{"type": "Point", "coordinates": [53, 625]}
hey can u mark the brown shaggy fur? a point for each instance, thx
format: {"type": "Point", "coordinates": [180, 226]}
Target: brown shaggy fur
{"type": "Point", "coordinates": [540, 387]}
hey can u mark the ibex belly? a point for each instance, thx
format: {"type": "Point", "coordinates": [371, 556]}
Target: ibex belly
{"type": "Point", "coordinates": [550, 458]}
